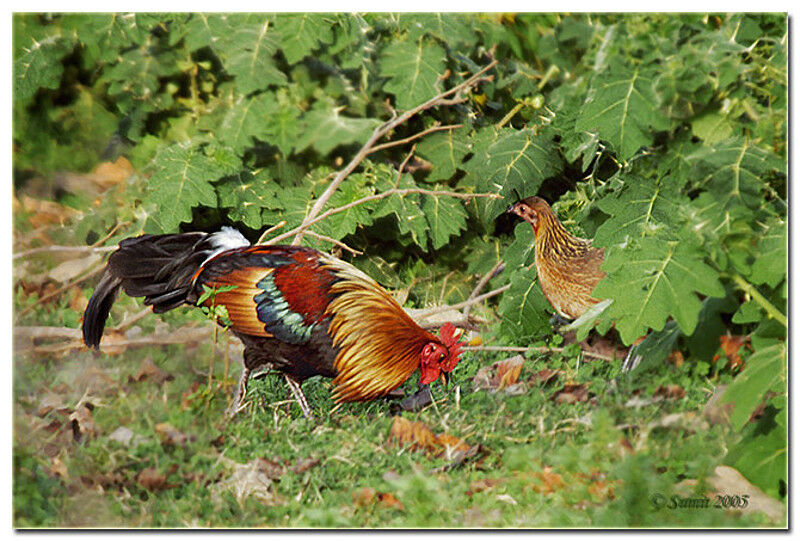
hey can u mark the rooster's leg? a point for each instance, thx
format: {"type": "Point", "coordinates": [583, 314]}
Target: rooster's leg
{"type": "Point", "coordinates": [241, 392]}
{"type": "Point", "coordinates": [294, 386]}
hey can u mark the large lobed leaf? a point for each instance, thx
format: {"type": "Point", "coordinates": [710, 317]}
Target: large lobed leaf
{"type": "Point", "coordinates": [651, 280]}
{"type": "Point", "coordinates": [413, 69]}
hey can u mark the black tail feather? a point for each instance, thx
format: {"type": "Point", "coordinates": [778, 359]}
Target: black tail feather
{"type": "Point", "coordinates": [94, 318]}
{"type": "Point", "coordinates": [156, 267]}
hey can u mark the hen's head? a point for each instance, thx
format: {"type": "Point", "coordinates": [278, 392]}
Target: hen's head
{"type": "Point", "coordinates": [440, 357]}
{"type": "Point", "coordinates": [532, 210]}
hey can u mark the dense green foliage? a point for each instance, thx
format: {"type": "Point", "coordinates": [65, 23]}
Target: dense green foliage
{"type": "Point", "coordinates": [661, 137]}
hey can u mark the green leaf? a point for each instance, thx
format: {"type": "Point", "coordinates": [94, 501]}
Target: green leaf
{"type": "Point", "coordinates": [247, 53]}
{"type": "Point", "coordinates": [446, 217]}
{"type": "Point", "coordinates": [732, 171]}
{"type": "Point", "coordinates": [445, 151]}
{"type": "Point", "coordinates": [324, 128]}
{"type": "Point", "coordinates": [515, 163]}
{"type": "Point", "coordinates": [524, 308]}
{"type": "Point", "coordinates": [770, 265]}
{"type": "Point", "coordinates": [345, 223]}
{"type": "Point", "coordinates": [413, 69]}
{"type": "Point", "coordinates": [39, 65]}
{"type": "Point", "coordinates": [521, 252]}
{"type": "Point", "coordinates": [301, 33]}
{"type": "Point", "coordinates": [623, 108]}
{"type": "Point", "coordinates": [245, 121]}
{"type": "Point", "coordinates": [104, 34]}
{"type": "Point", "coordinates": [652, 280]}
{"type": "Point", "coordinates": [406, 210]}
{"type": "Point", "coordinates": [457, 29]}
{"type": "Point", "coordinates": [181, 179]}
{"type": "Point", "coordinates": [763, 370]}
{"type": "Point", "coordinates": [712, 127]}
{"type": "Point", "coordinates": [643, 208]}
{"type": "Point", "coordinates": [246, 195]}
{"type": "Point", "coordinates": [205, 29]}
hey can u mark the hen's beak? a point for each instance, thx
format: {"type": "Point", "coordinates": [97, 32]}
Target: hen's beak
{"type": "Point", "coordinates": [445, 378]}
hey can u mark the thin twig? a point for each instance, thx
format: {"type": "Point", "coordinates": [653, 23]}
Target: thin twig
{"type": "Point", "coordinates": [374, 197]}
{"type": "Point", "coordinates": [133, 319]}
{"type": "Point", "coordinates": [54, 248]}
{"type": "Point", "coordinates": [334, 241]}
{"type": "Point", "coordinates": [537, 349]}
{"type": "Point", "coordinates": [476, 300]}
{"type": "Point", "coordinates": [423, 133]}
{"type": "Point", "coordinates": [110, 234]}
{"type": "Point", "coordinates": [377, 134]}
{"type": "Point", "coordinates": [60, 290]}
{"type": "Point", "coordinates": [481, 284]}
{"type": "Point", "coordinates": [270, 230]}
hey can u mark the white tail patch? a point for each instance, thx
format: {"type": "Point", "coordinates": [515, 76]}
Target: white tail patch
{"type": "Point", "coordinates": [226, 239]}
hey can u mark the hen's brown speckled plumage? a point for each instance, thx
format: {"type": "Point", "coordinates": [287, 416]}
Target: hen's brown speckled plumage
{"type": "Point", "coordinates": [568, 266]}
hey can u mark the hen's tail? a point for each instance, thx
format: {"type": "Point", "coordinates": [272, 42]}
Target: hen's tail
{"type": "Point", "coordinates": [157, 267]}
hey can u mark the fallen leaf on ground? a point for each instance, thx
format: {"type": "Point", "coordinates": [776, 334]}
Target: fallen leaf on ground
{"type": "Point", "coordinates": [150, 479]}
{"type": "Point", "coordinates": [727, 480]}
{"type": "Point", "coordinates": [499, 375]}
{"type": "Point", "coordinates": [482, 485]}
{"type": "Point", "coordinates": [171, 435]}
{"type": "Point", "coordinates": [676, 358]}
{"type": "Point", "coordinates": [670, 391]}
{"type": "Point", "coordinates": [108, 174]}
{"type": "Point", "coordinates": [548, 481]}
{"type": "Point", "coordinates": [543, 377]}
{"type": "Point", "coordinates": [369, 496]}
{"type": "Point", "coordinates": [605, 347]}
{"type": "Point", "coordinates": [82, 422]}
{"type": "Point", "coordinates": [304, 464]}
{"type": "Point", "coordinates": [420, 437]}
{"type": "Point", "coordinates": [571, 393]}
{"type": "Point", "coordinates": [731, 344]}
{"type": "Point", "coordinates": [245, 481]}
{"type": "Point", "coordinates": [122, 435]}
{"type": "Point", "coordinates": [150, 371]}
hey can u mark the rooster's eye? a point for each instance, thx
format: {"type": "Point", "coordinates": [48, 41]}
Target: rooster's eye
{"type": "Point", "coordinates": [441, 357]}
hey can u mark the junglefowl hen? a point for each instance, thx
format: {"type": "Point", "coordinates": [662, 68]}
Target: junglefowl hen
{"type": "Point", "coordinates": [568, 266]}
{"type": "Point", "coordinates": [303, 312]}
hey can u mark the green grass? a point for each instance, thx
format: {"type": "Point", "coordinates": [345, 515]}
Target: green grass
{"type": "Point", "coordinates": [590, 464]}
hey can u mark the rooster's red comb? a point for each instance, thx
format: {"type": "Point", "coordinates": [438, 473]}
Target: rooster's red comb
{"type": "Point", "coordinates": [447, 335]}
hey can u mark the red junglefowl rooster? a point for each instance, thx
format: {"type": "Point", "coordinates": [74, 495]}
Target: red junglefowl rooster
{"type": "Point", "coordinates": [303, 312]}
{"type": "Point", "coordinates": [568, 266]}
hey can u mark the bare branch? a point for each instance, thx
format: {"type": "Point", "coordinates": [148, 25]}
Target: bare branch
{"type": "Point", "coordinates": [377, 134]}
{"type": "Point", "coordinates": [481, 284]}
{"type": "Point", "coordinates": [374, 197]}
{"type": "Point", "coordinates": [270, 230]}
{"type": "Point", "coordinates": [423, 133]}
{"type": "Point", "coordinates": [334, 241]}
{"type": "Point", "coordinates": [537, 349]}
{"type": "Point", "coordinates": [53, 248]}
{"type": "Point", "coordinates": [96, 270]}
{"type": "Point", "coordinates": [469, 302]}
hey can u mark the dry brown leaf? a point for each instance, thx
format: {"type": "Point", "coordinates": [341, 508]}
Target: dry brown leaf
{"type": "Point", "coordinates": [123, 435]}
{"type": "Point", "coordinates": [150, 479]}
{"type": "Point", "coordinates": [571, 393]}
{"type": "Point", "coordinates": [671, 391]}
{"type": "Point", "coordinates": [245, 481]}
{"type": "Point", "coordinates": [549, 481]}
{"type": "Point", "coordinates": [368, 496]}
{"type": "Point", "coordinates": [44, 212]}
{"type": "Point", "coordinates": [171, 435]}
{"type": "Point", "coordinates": [304, 464]}
{"type": "Point", "coordinates": [676, 358]}
{"type": "Point", "coordinates": [77, 300]}
{"type": "Point", "coordinates": [499, 375]}
{"type": "Point", "coordinates": [543, 377]}
{"type": "Point", "coordinates": [419, 436]}
{"type": "Point", "coordinates": [82, 422]}
{"type": "Point", "coordinates": [601, 490]}
{"type": "Point", "coordinates": [107, 174]}
{"type": "Point", "coordinates": [482, 485]}
{"type": "Point", "coordinates": [150, 371]}
{"type": "Point", "coordinates": [731, 344]}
